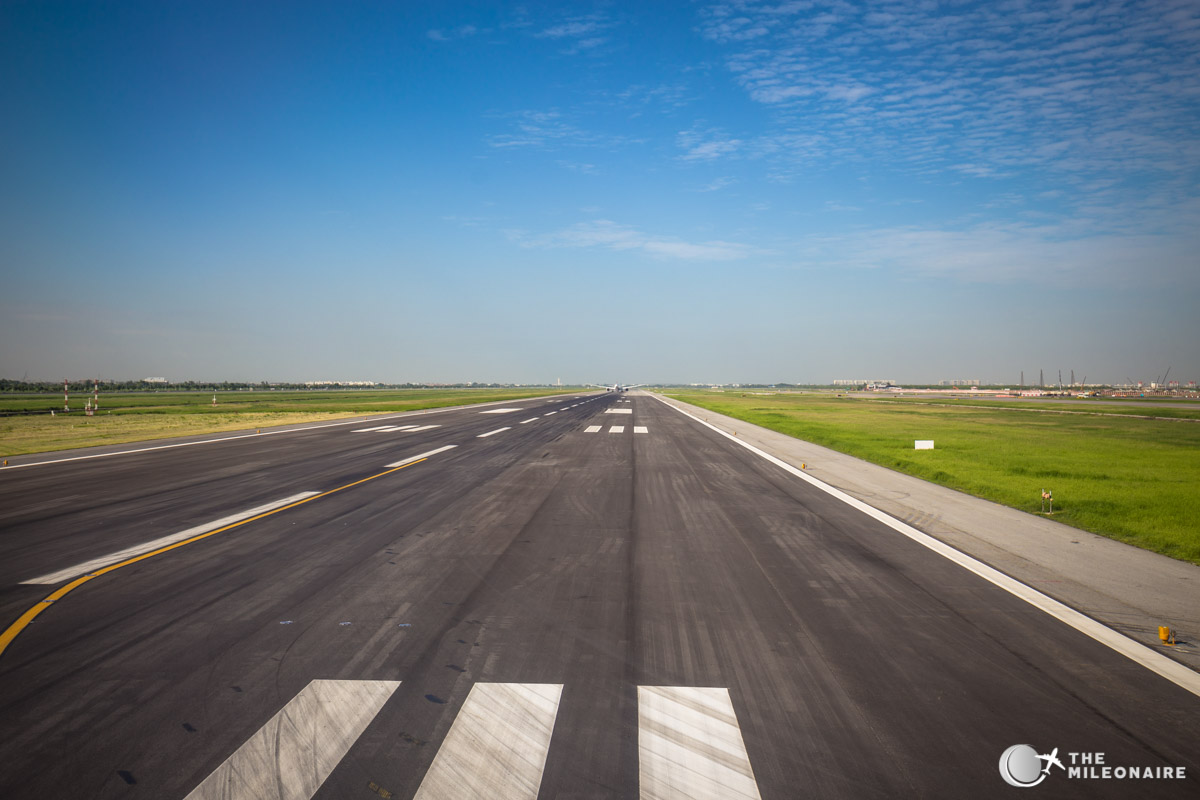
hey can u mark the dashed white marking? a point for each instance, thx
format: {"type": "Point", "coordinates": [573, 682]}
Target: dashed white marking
{"type": "Point", "coordinates": [618, 411]}
{"type": "Point", "coordinates": [617, 429]}
{"type": "Point", "coordinates": [1173, 671]}
{"type": "Point", "coordinates": [592, 429]}
{"type": "Point", "coordinates": [423, 428]}
{"type": "Point", "coordinates": [690, 745]}
{"type": "Point", "coordinates": [137, 550]}
{"type": "Point", "coordinates": [548, 413]}
{"type": "Point", "coordinates": [501, 410]}
{"type": "Point", "coordinates": [526, 421]}
{"type": "Point", "coordinates": [249, 435]}
{"type": "Point", "coordinates": [390, 428]}
{"type": "Point", "coordinates": [497, 746]}
{"type": "Point", "coordinates": [639, 429]}
{"type": "Point", "coordinates": [493, 433]}
{"type": "Point", "coordinates": [410, 459]}
{"type": "Point", "coordinates": [292, 755]}
{"type": "Point", "coordinates": [376, 428]}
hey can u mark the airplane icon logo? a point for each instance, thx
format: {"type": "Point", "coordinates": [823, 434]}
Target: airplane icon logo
{"type": "Point", "coordinates": [1051, 761]}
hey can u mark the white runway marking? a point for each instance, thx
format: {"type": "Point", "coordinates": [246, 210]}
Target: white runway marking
{"type": "Point", "coordinates": [548, 413]}
{"type": "Point", "coordinates": [423, 428]}
{"type": "Point", "coordinates": [501, 410]}
{"type": "Point", "coordinates": [592, 429]}
{"type": "Point", "coordinates": [137, 550]}
{"type": "Point", "coordinates": [388, 428]}
{"type": "Point", "coordinates": [410, 459]}
{"type": "Point", "coordinates": [617, 429]}
{"type": "Point", "coordinates": [493, 433]}
{"type": "Point", "coordinates": [376, 428]}
{"type": "Point", "coordinates": [639, 429]}
{"type": "Point", "coordinates": [1173, 671]}
{"type": "Point", "coordinates": [497, 746]}
{"type": "Point", "coordinates": [618, 411]}
{"type": "Point", "coordinates": [249, 435]}
{"type": "Point", "coordinates": [524, 421]}
{"type": "Point", "coordinates": [690, 745]}
{"type": "Point", "coordinates": [292, 755]}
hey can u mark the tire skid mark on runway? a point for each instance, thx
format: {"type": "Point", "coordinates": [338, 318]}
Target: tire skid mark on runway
{"type": "Point", "coordinates": [23, 621]}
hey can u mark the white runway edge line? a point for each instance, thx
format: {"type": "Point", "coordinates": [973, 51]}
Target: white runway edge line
{"type": "Point", "coordinates": [411, 459]}
{"type": "Point", "coordinates": [419, 412]}
{"type": "Point", "coordinates": [112, 558]}
{"type": "Point", "coordinates": [292, 755]}
{"type": "Point", "coordinates": [1156, 662]}
{"type": "Point", "coordinates": [493, 433]}
{"type": "Point", "coordinates": [497, 746]}
{"type": "Point", "coordinates": [690, 745]}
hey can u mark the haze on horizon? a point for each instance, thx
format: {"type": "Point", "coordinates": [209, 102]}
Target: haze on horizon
{"type": "Point", "coordinates": [723, 192]}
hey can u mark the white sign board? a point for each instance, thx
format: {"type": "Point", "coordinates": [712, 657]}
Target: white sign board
{"type": "Point", "coordinates": [924, 444]}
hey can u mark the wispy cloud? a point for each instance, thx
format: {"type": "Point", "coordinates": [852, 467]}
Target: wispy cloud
{"type": "Point", "coordinates": [706, 144]}
{"type": "Point", "coordinates": [610, 235]}
{"type": "Point", "coordinates": [580, 34]}
{"type": "Point", "coordinates": [1045, 257]}
{"type": "Point", "coordinates": [548, 129]}
{"type": "Point", "coordinates": [1050, 91]}
{"type": "Point", "coordinates": [444, 35]}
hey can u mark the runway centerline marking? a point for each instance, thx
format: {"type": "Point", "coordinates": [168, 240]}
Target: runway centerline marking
{"type": "Point", "coordinates": [422, 428]}
{"type": "Point", "coordinates": [137, 549]}
{"type": "Point", "coordinates": [1173, 671]}
{"type": "Point", "coordinates": [493, 433]}
{"type": "Point", "coordinates": [524, 421]}
{"type": "Point", "coordinates": [13, 630]}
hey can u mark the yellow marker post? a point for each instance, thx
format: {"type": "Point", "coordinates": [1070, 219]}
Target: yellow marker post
{"type": "Point", "coordinates": [1166, 635]}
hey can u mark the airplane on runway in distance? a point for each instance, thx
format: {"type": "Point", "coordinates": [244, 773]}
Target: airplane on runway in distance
{"type": "Point", "coordinates": [616, 387]}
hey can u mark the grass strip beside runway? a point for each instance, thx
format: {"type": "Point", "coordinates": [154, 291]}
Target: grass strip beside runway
{"type": "Point", "coordinates": [1129, 479]}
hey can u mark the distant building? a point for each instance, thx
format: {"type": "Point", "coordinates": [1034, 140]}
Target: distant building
{"type": "Point", "coordinates": [962, 382]}
{"type": "Point", "coordinates": [863, 382]}
{"type": "Point", "coordinates": [341, 383]}
{"type": "Point", "coordinates": [155, 380]}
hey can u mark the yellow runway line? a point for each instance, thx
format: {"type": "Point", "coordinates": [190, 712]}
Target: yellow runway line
{"type": "Point", "coordinates": [23, 621]}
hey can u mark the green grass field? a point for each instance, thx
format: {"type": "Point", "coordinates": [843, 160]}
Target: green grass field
{"type": "Point", "coordinates": [1135, 480]}
{"type": "Point", "coordinates": [137, 416]}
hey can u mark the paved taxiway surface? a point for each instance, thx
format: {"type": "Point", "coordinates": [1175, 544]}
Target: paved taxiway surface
{"type": "Point", "coordinates": [586, 599]}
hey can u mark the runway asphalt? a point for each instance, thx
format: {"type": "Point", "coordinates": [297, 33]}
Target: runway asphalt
{"type": "Point", "coordinates": [545, 607]}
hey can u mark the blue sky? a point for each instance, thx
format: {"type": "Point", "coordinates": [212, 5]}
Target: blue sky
{"type": "Point", "coordinates": [738, 191]}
